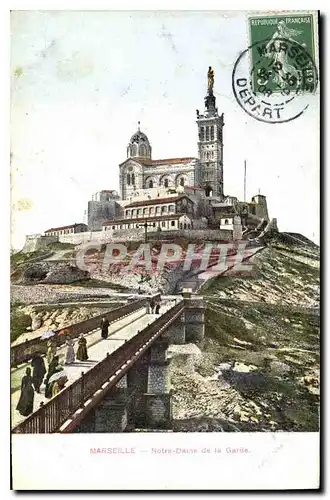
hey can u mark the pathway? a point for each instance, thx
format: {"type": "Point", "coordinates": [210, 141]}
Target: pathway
{"type": "Point", "coordinates": [119, 332]}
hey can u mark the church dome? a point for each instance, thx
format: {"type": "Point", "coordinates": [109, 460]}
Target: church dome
{"type": "Point", "coordinates": [139, 146]}
{"type": "Point", "coordinates": [139, 137]}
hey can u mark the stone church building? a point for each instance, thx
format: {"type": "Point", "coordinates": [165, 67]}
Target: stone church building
{"type": "Point", "coordinates": [174, 193]}
{"type": "Point", "coordinates": [140, 172]}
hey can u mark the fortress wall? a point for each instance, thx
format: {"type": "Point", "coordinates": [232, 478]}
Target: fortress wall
{"type": "Point", "coordinates": [37, 242]}
{"type": "Point", "coordinates": [34, 243]}
{"type": "Point", "coordinates": [138, 235]}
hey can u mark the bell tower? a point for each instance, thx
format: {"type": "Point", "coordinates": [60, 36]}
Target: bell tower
{"type": "Point", "coordinates": [210, 143]}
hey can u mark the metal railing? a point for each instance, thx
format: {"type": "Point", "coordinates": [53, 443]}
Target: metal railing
{"type": "Point", "coordinates": [52, 415]}
{"type": "Point", "coordinates": [23, 352]}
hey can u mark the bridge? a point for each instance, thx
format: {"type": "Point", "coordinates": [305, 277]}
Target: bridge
{"type": "Point", "coordinates": [124, 385]}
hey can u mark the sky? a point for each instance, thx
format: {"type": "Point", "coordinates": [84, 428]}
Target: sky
{"type": "Point", "coordinates": [81, 81]}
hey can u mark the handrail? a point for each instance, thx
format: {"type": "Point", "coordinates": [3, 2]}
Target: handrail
{"type": "Point", "coordinates": [52, 415]}
{"type": "Point", "coordinates": [21, 353]}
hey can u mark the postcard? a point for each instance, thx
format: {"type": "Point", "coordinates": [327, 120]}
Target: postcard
{"type": "Point", "coordinates": [165, 260]}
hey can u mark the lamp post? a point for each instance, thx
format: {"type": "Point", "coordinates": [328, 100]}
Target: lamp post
{"type": "Point", "coordinates": [145, 225]}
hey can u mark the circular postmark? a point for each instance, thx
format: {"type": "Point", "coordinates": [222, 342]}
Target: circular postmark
{"type": "Point", "coordinates": [274, 80]}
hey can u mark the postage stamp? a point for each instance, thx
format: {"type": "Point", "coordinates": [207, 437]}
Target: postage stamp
{"type": "Point", "coordinates": [275, 77]}
{"type": "Point", "coordinates": [293, 29]}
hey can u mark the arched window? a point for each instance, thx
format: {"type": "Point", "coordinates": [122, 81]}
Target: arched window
{"type": "Point", "coordinates": [184, 226]}
{"type": "Point", "coordinates": [166, 183]}
{"type": "Point", "coordinates": [208, 191]}
{"type": "Point", "coordinates": [207, 155]}
{"type": "Point", "coordinates": [202, 133]}
{"type": "Point", "coordinates": [151, 184]}
{"type": "Point", "coordinates": [128, 180]}
{"type": "Point", "coordinates": [142, 150]}
{"type": "Point", "coordinates": [145, 211]}
{"type": "Point", "coordinates": [182, 181]}
{"type": "Point", "coordinates": [133, 179]}
{"type": "Point", "coordinates": [171, 208]}
{"type": "Point", "coordinates": [226, 221]}
{"type": "Point", "coordinates": [163, 224]}
{"type": "Point", "coordinates": [134, 150]}
{"type": "Point", "coordinates": [164, 209]}
{"type": "Point", "coordinates": [212, 132]}
{"type": "Point", "coordinates": [207, 133]}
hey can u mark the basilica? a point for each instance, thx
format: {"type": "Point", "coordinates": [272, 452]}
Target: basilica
{"type": "Point", "coordinates": [182, 193]}
{"type": "Point", "coordinates": [173, 194]}
{"type": "Point", "coordinates": [141, 172]}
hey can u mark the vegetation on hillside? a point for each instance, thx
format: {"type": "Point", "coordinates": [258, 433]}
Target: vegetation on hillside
{"type": "Point", "coordinates": [20, 258]}
{"type": "Point", "coordinates": [266, 329]}
{"type": "Point", "coordinates": [19, 322]}
{"type": "Point", "coordinates": [58, 245]}
{"type": "Point", "coordinates": [95, 283]}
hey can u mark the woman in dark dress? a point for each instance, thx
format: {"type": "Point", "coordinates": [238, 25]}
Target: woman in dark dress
{"type": "Point", "coordinates": [25, 403]}
{"type": "Point", "coordinates": [39, 371]}
{"type": "Point", "coordinates": [82, 348]}
{"type": "Point", "coordinates": [104, 328]}
{"type": "Point", "coordinates": [54, 367]}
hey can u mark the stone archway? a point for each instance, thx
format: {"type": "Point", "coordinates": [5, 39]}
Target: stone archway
{"type": "Point", "coordinates": [165, 181]}
{"type": "Point", "coordinates": [181, 180]}
{"type": "Point", "coordinates": [150, 182]}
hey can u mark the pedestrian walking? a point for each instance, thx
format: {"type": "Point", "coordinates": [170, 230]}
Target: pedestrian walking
{"type": "Point", "coordinates": [104, 327]}
{"type": "Point", "coordinates": [57, 383]}
{"type": "Point", "coordinates": [53, 368]}
{"type": "Point", "coordinates": [25, 402]}
{"type": "Point", "coordinates": [82, 348]}
{"type": "Point", "coordinates": [51, 351]}
{"type": "Point", "coordinates": [38, 372]}
{"type": "Point", "coordinates": [157, 309]}
{"type": "Point", "coordinates": [70, 356]}
{"type": "Point", "coordinates": [152, 306]}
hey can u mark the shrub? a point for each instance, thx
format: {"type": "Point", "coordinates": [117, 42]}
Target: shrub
{"type": "Point", "coordinates": [19, 322]}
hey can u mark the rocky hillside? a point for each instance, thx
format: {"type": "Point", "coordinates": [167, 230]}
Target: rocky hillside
{"type": "Point", "coordinates": [258, 366]}
{"type": "Point", "coordinates": [28, 322]}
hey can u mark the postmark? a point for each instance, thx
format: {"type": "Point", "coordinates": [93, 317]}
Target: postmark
{"type": "Point", "coordinates": [295, 81]}
{"type": "Point", "coordinates": [275, 78]}
{"type": "Point", "coordinates": [293, 27]}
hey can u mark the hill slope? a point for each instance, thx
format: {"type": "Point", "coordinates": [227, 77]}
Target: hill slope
{"type": "Point", "coordinates": [262, 336]}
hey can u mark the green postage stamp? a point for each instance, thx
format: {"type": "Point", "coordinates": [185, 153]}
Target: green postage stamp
{"type": "Point", "coordinates": [275, 78]}
{"type": "Point", "coordinates": [280, 45]}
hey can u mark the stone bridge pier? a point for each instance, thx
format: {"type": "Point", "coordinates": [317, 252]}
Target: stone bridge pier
{"type": "Point", "coordinates": [190, 326]}
{"type": "Point", "coordinates": [142, 398]}
{"type": "Point", "coordinates": [194, 317]}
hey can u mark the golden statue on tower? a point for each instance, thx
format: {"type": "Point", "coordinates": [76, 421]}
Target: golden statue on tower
{"type": "Point", "coordinates": [210, 78]}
